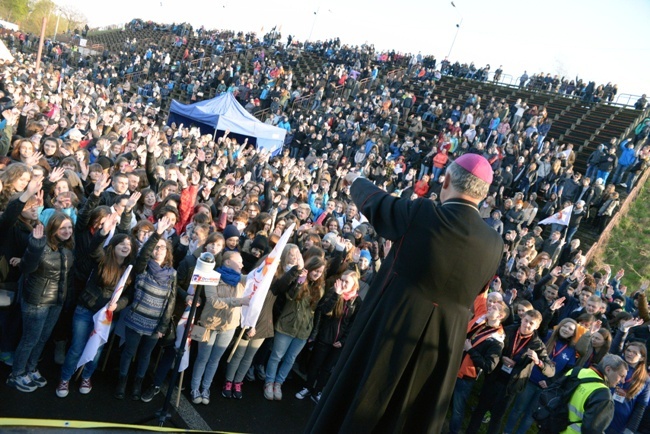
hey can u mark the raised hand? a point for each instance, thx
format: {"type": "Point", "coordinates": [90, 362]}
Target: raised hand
{"type": "Point", "coordinates": [10, 117]}
{"type": "Point", "coordinates": [632, 322]}
{"type": "Point", "coordinates": [338, 287]}
{"type": "Point", "coordinates": [152, 142]}
{"type": "Point", "coordinates": [85, 169]}
{"type": "Point", "coordinates": [34, 186]}
{"type": "Point", "coordinates": [56, 174]}
{"type": "Point", "coordinates": [595, 326]}
{"type": "Point", "coordinates": [557, 304]}
{"type": "Point", "coordinates": [133, 200]}
{"type": "Point", "coordinates": [620, 274]}
{"type": "Point", "coordinates": [33, 159]}
{"type": "Point", "coordinates": [37, 233]}
{"type": "Point", "coordinates": [39, 196]}
{"type": "Point", "coordinates": [110, 223]}
{"type": "Point", "coordinates": [102, 183]}
{"type": "Point", "coordinates": [195, 177]}
{"type": "Point", "coordinates": [163, 224]}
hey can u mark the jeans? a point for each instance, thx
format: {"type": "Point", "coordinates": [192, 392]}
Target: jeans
{"type": "Point", "coordinates": [82, 326]}
{"type": "Point", "coordinates": [143, 345]}
{"type": "Point", "coordinates": [618, 173]}
{"type": "Point", "coordinates": [285, 349]}
{"type": "Point", "coordinates": [592, 172]}
{"type": "Point", "coordinates": [631, 180]}
{"type": "Point", "coordinates": [321, 363]}
{"type": "Point", "coordinates": [603, 175]}
{"type": "Point", "coordinates": [523, 409]}
{"type": "Point", "coordinates": [462, 390]}
{"type": "Point", "coordinates": [38, 323]}
{"type": "Point", "coordinates": [207, 360]}
{"type": "Point", "coordinates": [437, 171]}
{"type": "Point", "coordinates": [571, 231]}
{"type": "Point", "coordinates": [242, 359]}
{"type": "Point", "coordinates": [493, 398]}
{"type": "Point", "coordinates": [424, 170]}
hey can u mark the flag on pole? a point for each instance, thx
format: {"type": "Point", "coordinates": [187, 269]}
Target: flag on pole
{"type": "Point", "coordinates": [203, 275]}
{"type": "Point", "coordinates": [561, 218]}
{"type": "Point", "coordinates": [103, 319]}
{"type": "Point", "coordinates": [259, 281]}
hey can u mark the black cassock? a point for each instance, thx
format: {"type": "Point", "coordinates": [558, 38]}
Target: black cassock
{"type": "Point", "coordinates": [399, 364]}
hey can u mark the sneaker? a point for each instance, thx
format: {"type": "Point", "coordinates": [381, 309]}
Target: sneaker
{"type": "Point", "coordinates": [205, 397]}
{"type": "Point", "coordinates": [23, 383]}
{"type": "Point", "coordinates": [304, 393]}
{"type": "Point", "coordinates": [486, 418]}
{"type": "Point", "coordinates": [86, 386]}
{"type": "Point", "coordinates": [622, 184]}
{"type": "Point", "coordinates": [150, 393]}
{"type": "Point", "coordinates": [268, 391]}
{"type": "Point", "coordinates": [196, 396]}
{"type": "Point", "coordinates": [37, 378]}
{"type": "Point", "coordinates": [7, 357]}
{"type": "Point", "coordinates": [316, 398]}
{"type": "Point", "coordinates": [227, 390]}
{"type": "Point", "coordinates": [237, 391]}
{"type": "Point", "coordinates": [277, 391]}
{"type": "Point", "coordinates": [250, 375]}
{"type": "Point", "coordinates": [63, 389]}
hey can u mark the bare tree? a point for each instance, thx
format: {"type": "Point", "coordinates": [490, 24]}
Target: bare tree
{"type": "Point", "coordinates": [74, 18]}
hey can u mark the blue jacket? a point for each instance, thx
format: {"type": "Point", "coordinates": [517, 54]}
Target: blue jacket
{"type": "Point", "coordinates": [628, 155]}
{"type": "Point", "coordinates": [564, 360]}
{"type": "Point", "coordinates": [629, 412]}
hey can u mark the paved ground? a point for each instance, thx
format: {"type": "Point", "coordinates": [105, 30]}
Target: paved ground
{"type": "Point", "coordinates": [252, 414]}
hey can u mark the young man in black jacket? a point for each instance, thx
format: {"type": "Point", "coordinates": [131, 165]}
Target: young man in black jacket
{"type": "Point", "coordinates": [522, 350]}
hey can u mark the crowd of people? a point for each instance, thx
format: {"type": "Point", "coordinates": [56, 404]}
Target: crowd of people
{"type": "Point", "coordinates": [93, 180]}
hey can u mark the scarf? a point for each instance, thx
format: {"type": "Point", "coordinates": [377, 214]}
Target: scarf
{"type": "Point", "coordinates": [162, 275]}
{"type": "Point", "coordinates": [230, 276]}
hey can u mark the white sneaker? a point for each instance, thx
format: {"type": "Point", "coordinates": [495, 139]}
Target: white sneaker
{"type": "Point", "coordinates": [63, 389]}
{"type": "Point", "coordinates": [23, 383]}
{"type": "Point", "coordinates": [304, 393]}
{"type": "Point", "coordinates": [268, 391]}
{"type": "Point", "coordinates": [86, 386]}
{"type": "Point", "coordinates": [196, 396]}
{"type": "Point", "coordinates": [38, 379]}
{"type": "Point", "coordinates": [277, 391]}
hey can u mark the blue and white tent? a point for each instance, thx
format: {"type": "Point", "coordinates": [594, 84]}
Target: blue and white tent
{"type": "Point", "coordinates": [225, 113]}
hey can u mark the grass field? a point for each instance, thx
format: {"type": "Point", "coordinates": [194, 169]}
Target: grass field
{"type": "Point", "coordinates": [629, 245]}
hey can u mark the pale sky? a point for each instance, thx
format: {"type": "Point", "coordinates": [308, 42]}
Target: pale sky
{"type": "Point", "coordinates": [600, 40]}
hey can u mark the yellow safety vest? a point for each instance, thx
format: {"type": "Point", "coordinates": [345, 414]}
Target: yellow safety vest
{"type": "Point", "coordinates": [579, 397]}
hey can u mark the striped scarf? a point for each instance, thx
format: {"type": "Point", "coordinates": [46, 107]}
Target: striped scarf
{"type": "Point", "coordinates": [149, 301]}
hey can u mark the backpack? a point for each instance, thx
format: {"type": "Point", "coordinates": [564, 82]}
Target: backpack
{"type": "Point", "coordinates": [552, 413]}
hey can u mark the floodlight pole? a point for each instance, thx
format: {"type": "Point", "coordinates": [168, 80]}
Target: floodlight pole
{"type": "Point", "coordinates": [40, 46]}
{"type": "Point", "coordinates": [457, 30]}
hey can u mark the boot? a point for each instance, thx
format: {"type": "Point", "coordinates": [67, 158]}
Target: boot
{"type": "Point", "coordinates": [137, 389]}
{"type": "Point", "coordinates": [59, 352]}
{"type": "Point", "coordinates": [120, 390]}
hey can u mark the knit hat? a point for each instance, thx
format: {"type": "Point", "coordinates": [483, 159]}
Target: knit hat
{"type": "Point", "coordinates": [75, 134]}
{"type": "Point", "coordinates": [363, 229]}
{"type": "Point", "coordinates": [105, 162]}
{"type": "Point", "coordinates": [330, 237]}
{"type": "Point", "coordinates": [365, 254]}
{"type": "Point", "coordinates": [350, 237]}
{"type": "Point", "coordinates": [231, 231]}
{"type": "Point", "coordinates": [260, 242]}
